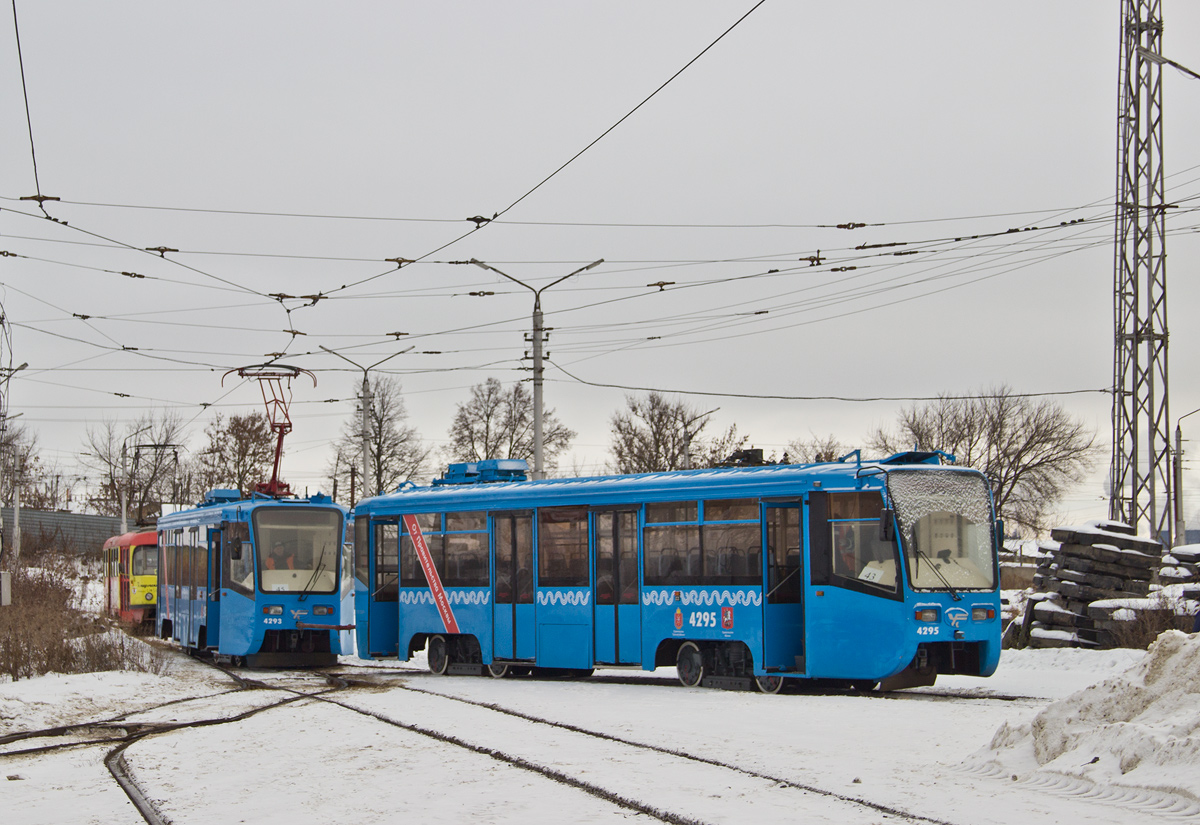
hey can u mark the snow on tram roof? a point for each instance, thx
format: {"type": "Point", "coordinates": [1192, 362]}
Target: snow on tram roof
{"type": "Point", "coordinates": [763, 480]}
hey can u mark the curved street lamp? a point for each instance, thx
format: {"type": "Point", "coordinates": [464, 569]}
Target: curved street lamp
{"type": "Point", "coordinates": [1180, 522]}
{"type": "Point", "coordinates": [537, 353]}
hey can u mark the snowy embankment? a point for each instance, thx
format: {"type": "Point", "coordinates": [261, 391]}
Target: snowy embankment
{"type": "Point", "coordinates": [1139, 728]}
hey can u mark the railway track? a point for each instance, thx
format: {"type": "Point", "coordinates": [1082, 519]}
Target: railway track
{"type": "Point", "coordinates": [655, 780]}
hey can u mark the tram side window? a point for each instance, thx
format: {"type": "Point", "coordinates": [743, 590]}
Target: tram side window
{"type": "Point", "coordinates": [669, 548]}
{"type": "Point", "coordinates": [725, 548]}
{"type": "Point", "coordinates": [180, 560]}
{"type": "Point", "coordinates": [563, 547]}
{"type": "Point", "coordinates": [362, 553]}
{"type": "Point", "coordinates": [514, 559]}
{"type": "Point", "coordinates": [858, 554]}
{"type": "Point", "coordinates": [387, 564]}
{"type": "Point", "coordinates": [465, 551]}
{"type": "Point", "coordinates": [732, 549]}
{"type": "Point", "coordinates": [237, 573]}
{"type": "Point", "coordinates": [784, 580]}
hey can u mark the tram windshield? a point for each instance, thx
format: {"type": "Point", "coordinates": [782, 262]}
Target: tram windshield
{"type": "Point", "coordinates": [945, 528]}
{"type": "Point", "coordinates": [145, 561]}
{"type": "Point", "coordinates": [298, 548]}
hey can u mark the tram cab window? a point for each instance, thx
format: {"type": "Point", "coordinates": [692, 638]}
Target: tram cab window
{"type": "Point", "coordinates": [857, 554]}
{"type": "Point", "coordinates": [145, 560]}
{"type": "Point", "coordinates": [238, 569]}
{"type": "Point", "coordinates": [299, 548]}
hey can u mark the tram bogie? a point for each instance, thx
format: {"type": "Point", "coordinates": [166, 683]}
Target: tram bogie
{"type": "Point", "coordinates": [263, 581]}
{"type": "Point", "coordinates": [850, 572]}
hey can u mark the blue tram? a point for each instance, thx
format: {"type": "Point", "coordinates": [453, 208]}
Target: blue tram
{"type": "Point", "coordinates": [262, 581]}
{"type": "Point", "coordinates": [866, 573]}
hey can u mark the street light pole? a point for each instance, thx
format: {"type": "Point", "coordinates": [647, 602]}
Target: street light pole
{"type": "Point", "coordinates": [687, 437]}
{"type": "Point", "coordinates": [1180, 521]}
{"type": "Point", "coordinates": [538, 371]}
{"type": "Point", "coordinates": [366, 409]}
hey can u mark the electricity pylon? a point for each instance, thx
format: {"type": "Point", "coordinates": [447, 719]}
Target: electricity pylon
{"type": "Point", "coordinates": [1140, 473]}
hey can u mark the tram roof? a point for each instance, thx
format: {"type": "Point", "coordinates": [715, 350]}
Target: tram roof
{"type": "Point", "coordinates": [769, 481]}
{"type": "Point", "coordinates": [218, 509]}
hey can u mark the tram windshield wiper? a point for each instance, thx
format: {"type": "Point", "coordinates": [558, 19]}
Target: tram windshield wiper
{"type": "Point", "coordinates": [313, 578]}
{"type": "Point", "coordinates": [953, 593]}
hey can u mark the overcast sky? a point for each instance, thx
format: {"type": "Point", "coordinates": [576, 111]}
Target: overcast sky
{"type": "Point", "coordinates": [293, 147]}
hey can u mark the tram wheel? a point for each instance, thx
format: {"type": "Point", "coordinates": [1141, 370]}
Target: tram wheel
{"type": "Point", "coordinates": [438, 656]}
{"type": "Point", "coordinates": [689, 664]}
{"type": "Point", "coordinates": [237, 661]}
{"type": "Point", "coordinates": [498, 671]}
{"type": "Point", "coordinates": [769, 683]}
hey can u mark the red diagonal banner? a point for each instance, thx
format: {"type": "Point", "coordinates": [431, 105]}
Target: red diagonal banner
{"type": "Point", "coordinates": [431, 574]}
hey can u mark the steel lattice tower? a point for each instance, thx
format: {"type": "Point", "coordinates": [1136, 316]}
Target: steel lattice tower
{"type": "Point", "coordinates": [1140, 474]}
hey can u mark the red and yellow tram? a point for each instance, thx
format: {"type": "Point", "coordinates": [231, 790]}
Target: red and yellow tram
{"type": "Point", "coordinates": [131, 576]}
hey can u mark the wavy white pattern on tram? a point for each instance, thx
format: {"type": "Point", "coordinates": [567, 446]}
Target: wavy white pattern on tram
{"type": "Point", "coordinates": [575, 598]}
{"type": "Point", "coordinates": [474, 597]}
{"type": "Point", "coordinates": [706, 598]}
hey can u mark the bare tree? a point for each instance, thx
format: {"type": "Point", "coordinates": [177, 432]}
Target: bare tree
{"type": "Point", "coordinates": [395, 449]}
{"type": "Point", "coordinates": [1032, 451]}
{"type": "Point", "coordinates": [815, 450]}
{"type": "Point", "coordinates": [653, 435]}
{"type": "Point", "coordinates": [240, 452]}
{"type": "Point", "coordinates": [713, 452]}
{"type": "Point", "coordinates": [497, 422]}
{"type": "Point", "coordinates": [143, 457]}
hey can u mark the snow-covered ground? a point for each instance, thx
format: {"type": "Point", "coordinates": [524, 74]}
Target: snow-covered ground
{"type": "Point", "coordinates": [1055, 736]}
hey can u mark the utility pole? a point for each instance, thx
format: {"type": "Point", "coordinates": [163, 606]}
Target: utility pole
{"type": "Point", "coordinates": [366, 418]}
{"type": "Point", "coordinates": [1140, 473]}
{"type": "Point", "coordinates": [538, 372]}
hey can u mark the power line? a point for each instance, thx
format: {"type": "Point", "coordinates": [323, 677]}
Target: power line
{"type": "Point", "coordinates": [865, 399]}
{"type": "Point", "coordinates": [28, 120]}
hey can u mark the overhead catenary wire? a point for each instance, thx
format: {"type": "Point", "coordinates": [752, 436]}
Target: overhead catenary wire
{"type": "Point", "coordinates": [842, 398]}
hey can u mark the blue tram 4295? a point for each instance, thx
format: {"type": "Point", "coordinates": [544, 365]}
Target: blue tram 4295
{"type": "Point", "coordinates": [866, 573]}
{"type": "Point", "coordinates": [264, 581]}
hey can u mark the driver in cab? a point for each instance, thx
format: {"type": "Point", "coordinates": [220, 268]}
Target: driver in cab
{"type": "Point", "coordinates": [280, 558]}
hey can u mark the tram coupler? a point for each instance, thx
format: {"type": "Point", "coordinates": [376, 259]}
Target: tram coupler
{"type": "Point", "coordinates": [920, 673]}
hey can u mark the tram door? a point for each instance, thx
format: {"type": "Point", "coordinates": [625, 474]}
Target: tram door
{"type": "Point", "coordinates": [783, 607]}
{"type": "Point", "coordinates": [213, 621]}
{"type": "Point", "coordinates": [512, 594]}
{"type": "Point", "coordinates": [618, 616]}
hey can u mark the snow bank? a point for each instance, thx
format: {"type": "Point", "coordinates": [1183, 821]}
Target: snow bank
{"type": "Point", "coordinates": [1138, 728]}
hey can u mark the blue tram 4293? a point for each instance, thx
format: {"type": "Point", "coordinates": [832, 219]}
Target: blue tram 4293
{"type": "Point", "coordinates": [866, 573]}
{"type": "Point", "coordinates": [264, 581]}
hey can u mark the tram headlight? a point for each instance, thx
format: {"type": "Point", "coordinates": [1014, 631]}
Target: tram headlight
{"type": "Point", "coordinates": [982, 614]}
{"type": "Point", "coordinates": [926, 614]}
{"type": "Point", "coordinates": [273, 610]}
{"type": "Point", "coordinates": [322, 610]}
